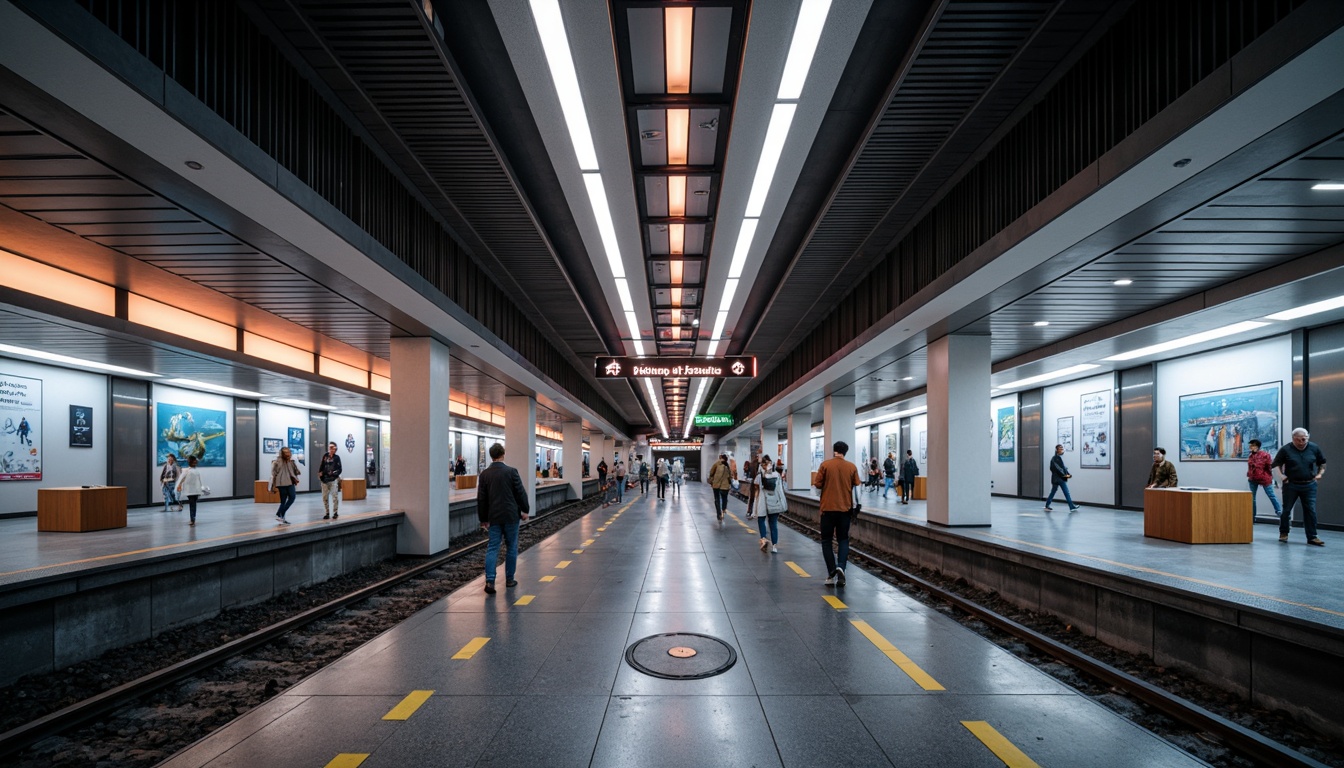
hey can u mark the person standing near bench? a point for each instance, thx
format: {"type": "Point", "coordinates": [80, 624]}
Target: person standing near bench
{"type": "Point", "coordinates": [1259, 474]}
{"type": "Point", "coordinates": [1302, 463]}
{"type": "Point", "coordinates": [329, 472]}
{"type": "Point", "coordinates": [1059, 479]}
{"type": "Point", "coordinates": [285, 479]}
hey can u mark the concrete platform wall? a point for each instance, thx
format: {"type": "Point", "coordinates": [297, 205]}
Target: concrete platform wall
{"type": "Point", "coordinates": [1277, 661]}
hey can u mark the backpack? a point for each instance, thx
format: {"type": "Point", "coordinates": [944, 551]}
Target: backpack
{"type": "Point", "coordinates": [768, 483]}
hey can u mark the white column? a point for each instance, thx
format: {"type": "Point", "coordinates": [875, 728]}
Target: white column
{"type": "Point", "coordinates": [608, 451]}
{"type": "Point", "coordinates": [959, 438]}
{"type": "Point", "coordinates": [799, 466]}
{"type": "Point", "coordinates": [424, 447]}
{"type": "Point", "coordinates": [839, 425]}
{"type": "Point", "coordinates": [520, 441]}
{"type": "Point", "coordinates": [709, 453]}
{"type": "Point", "coordinates": [572, 431]}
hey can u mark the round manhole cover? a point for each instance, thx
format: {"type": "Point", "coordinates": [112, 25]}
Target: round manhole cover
{"type": "Point", "coordinates": [681, 656]}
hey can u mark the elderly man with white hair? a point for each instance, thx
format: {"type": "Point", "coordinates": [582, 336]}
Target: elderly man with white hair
{"type": "Point", "coordinates": [1302, 464]}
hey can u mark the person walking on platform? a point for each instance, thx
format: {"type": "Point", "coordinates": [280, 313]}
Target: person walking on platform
{"type": "Point", "coordinates": [329, 473]}
{"type": "Point", "coordinates": [1059, 479]}
{"type": "Point", "coordinates": [284, 479]}
{"type": "Point", "coordinates": [602, 473]}
{"type": "Point", "coordinates": [501, 504]}
{"type": "Point", "coordinates": [888, 473]}
{"type": "Point", "coordinates": [909, 470]}
{"type": "Point", "coordinates": [1163, 473]}
{"type": "Point", "coordinates": [678, 477]}
{"type": "Point", "coordinates": [1302, 463]}
{"type": "Point", "coordinates": [189, 484]}
{"type": "Point", "coordinates": [721, 479]}
{"type": "Point", "coordinates": [771, 487]}
{"type": "Point", "coordinates": [661, 475]}
{"type": "Point", "coordinates": [168, 480]}
{"type": "Point", "coordinates": [643, 471]}
{"type": "Point", "coordinates": [620, 481]}
{"type": "Point", "coordinates": [837, 477]}
{"type": "Point", "coordinates": [461, 467]}
{"type": "Point", "coordinates": [1259, 474]}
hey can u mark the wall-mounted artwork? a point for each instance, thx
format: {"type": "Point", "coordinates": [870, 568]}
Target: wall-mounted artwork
{"type": "Point", "coordinates": [924, 449]}
{"type": "Point", "coordinates": [271, 444]}
{"type": "Point", "coordinates": [81, 426]}
{"type": "Point", "coordinates": [892, 447]}
{"type": "Point", "coordinates": [297, 444]}
{"type": "Point", "coordinates": [187, 430]}
{"type": "Point", "coordinates": [20, 428]}
{"type": "Point", "coordinates": [1096, 430]}
{"type": "Point", "coordinates": [1219, 426]}
{"type": "Point", "coordinates": [1064, 433]}
{"type": "Point", "coordinates": [1007, 434]}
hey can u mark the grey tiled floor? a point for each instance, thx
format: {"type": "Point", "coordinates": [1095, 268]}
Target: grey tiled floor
{"type": "Point", "coordinates": [551, 686]}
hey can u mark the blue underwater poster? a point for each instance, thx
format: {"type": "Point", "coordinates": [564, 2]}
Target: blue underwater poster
{"type": "Point", "coordinates": [186, 431]}
{"type": "Point", "coordinates": [296, 443]}
{"type": "Point", "coordinates": [1219, 426]}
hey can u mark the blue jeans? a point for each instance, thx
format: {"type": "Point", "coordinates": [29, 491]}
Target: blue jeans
{"type": "Point", "coordinates": [1291, 493]}
{"type": "Point", "coordinates": [287, 495]}
{"type": "Point", "coordinates": [720, 501]}
{"type": "Point", "coordinates": [891, 483]}
{"type": "Point", "coordinates": [508, 532]}
{"type": "Point", "coordinates": [620, 489]}
{"type": "Point", "coordinates": [774, 527]}
{"type": "Point", "coordinates": [1269, 491]}
{"type": "Point", "coordinates": [170, 496]}
{"type": "Point", "coordinates": [1057, 486]}
{"type": "Point", "coordinates": [834, 525]}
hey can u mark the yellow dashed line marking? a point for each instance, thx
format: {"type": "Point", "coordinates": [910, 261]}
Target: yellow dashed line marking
{"type": "Point", "coordinates": [563, 563]}
{"type": "Point", "coordinates": [408, 705]}
{"type": "Point", "coordinates": [548, 578]}
{"type": "Point", "coordinates": [525, 600]}
{"type": "Point", "coordinates": [835, 602]}
{"type": "Point", "coordinates": [471, 648]}
{"type": "Point", "coordinates": [347, 760]}
{"type": "Point", "coordinates": [794, 566]}
{"type": "Point", "coordinates": [601, 529]}
{"type": "Point", "coordinates": [1002, 748]}
{"type": "Point", "coordinates": [922, 678]}
{"type": "Point", "coordinates": [578, 551]}
{"type": "Point", "coordinates": [588, 543]}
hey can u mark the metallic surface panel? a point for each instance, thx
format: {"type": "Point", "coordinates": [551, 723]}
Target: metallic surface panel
{"type": "Point", "coordinates": [245, 442]}
{"type": "Point", "coordinates": [130, 453]}
{"type": "Point", "coordinates": [1032, 446]}
{"type": "Point", "coordinates": [1138, 433]}
{"type": "Point", "coordinates": [1325, 396]}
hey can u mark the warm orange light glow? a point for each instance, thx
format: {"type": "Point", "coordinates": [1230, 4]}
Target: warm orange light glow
{"type": "Point", "coordinates": [497, 418]}
{"type": "Point", "coordinates": [380, 384]}
{"type": "Point", "coordinates": [676, 237]}
{"type": "Point", "coordinates": [676, 334]}
{"type": "Point", "coordinates": [56, 284]}
{"type": "Point", "coordinates": [458, 408]}
{"type": "Point", "coordinates": [342, 372]}
{"type": "Point", "coordinates": [267, 349]}
{"type": "Point", "coordinates": [676, 195]}
{"type": "Point", "coordinates": [677, 26]}
{"type": "Point", "coordinates": [676, 317]}
{"type": "Point", "coordinates": [676, 297]}
{"type": "Point", "coordinates": [678, 135]}
{"type": "Point", "coordinates": [180, 322]}
{"type": "Point", "coordinates": [478, 413]}
{"type": "Point", "coordinates": [677, 272]}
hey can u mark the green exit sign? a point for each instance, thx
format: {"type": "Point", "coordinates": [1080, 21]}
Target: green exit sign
{"type": "Point", "coordinates": [714, 420]}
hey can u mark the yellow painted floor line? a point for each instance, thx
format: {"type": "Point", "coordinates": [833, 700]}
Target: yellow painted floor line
{"type": "Point", "coordinates": [835, 602]}
{"type": "Point", "coordinates": [408, 705]}
{"type": "Point", "coordinates": [577, 551]}
{"type": "Point", "coordinates": [1002, 748]}
{"type": "Point", "coordinates": [794, 566]}
{"type": "Point", "coordinates": [347, 760]}
{"type": "Point", "coordinates": [588, 543]}
{"type": "Point", "coordinates": [548, 578]}
{"type": "Point", "coordinates": [563, 563]}
{"type": "Point", "coordinates": [922, 678]}
{"type": "Point", "coordinates": [471, 648]}
{"type": "Point", "coordinates": [525, 600]}
{"type": "Point", "coordinates": [602, 529]}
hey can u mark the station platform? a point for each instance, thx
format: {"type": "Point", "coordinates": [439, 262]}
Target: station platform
{"type": "Point", "coordinates": [537, 674]}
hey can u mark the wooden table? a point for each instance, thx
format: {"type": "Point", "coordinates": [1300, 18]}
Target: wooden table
{"type": "Point", "coordinates": [81, 509]}
{"type": "Point", "coordinates": [354, 489]}
{"type": "Point", "coordinates": [261, 495]}
{"type": "Point", "coordinates": [466, 481]}
{"type": "Point", "coordinates": [921, 489]}
{"type": "Point", "coordinates": [1203, 516]}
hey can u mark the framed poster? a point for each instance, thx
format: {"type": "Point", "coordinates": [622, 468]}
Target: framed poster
{"type": "Point", "coordinates": [892, 447]}
{"type": "Point", "coordinates": [271, 444]}
{"type": "Point", "coordinates": [1219, 426]}
{"type": "Point", "coordinates": [81, 426]}
{"type": "Point", "coordinates": [20, 428]}
{"type": "Point", "coordinates": [296, 443]}
{"type": "Point", "coordinates": [1096, 430]}
{"type": "Point", "coordinates": [186, 431]}
{"type": "Point", "coordinates": [1064, 433]}
{"type": "Point", "coordinates": [924, 449]}
{"type": "Point", "coordinates": [1007, 434]}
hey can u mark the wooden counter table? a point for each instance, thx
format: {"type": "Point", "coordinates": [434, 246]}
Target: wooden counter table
{"type": "Point", "coordinates": [354, 489]}
{"type": "Point", "coordinates": [921, 489]}
{"type": "Point", "coordinates": [81, 509]}
{"type": "Point", "coordinates": [261, 495]}
{"type": "Point", "coordinates": [1197, 516]}
{"type": "Point", "coordinates": [465, 481]}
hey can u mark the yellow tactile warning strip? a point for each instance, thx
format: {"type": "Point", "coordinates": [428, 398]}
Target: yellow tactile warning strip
{"type": "Point", "coordinates": [347, 760]}
{"type": "Point", "coordinates": [921, 678]}
{"type": "Point", "coordinates": [408, 705]}
{"type": "Point", "coordinates": [834, 602]}
{"type": "Point", "coordinates": [563, 563]}
{"type": "Point", "coordinates": [551, 577]}
{"type": "Point", "coordinates": [525, 600]}
{"type": "Point", "coordinates": [1002, 748]}
{"type": "Point", "coordinates": [471, 648]}
{"type": "Point", "coordinates": [794, 567]}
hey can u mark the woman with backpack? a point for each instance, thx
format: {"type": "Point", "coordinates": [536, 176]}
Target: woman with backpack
{"type": "Point", "coordinates": [771, 493]}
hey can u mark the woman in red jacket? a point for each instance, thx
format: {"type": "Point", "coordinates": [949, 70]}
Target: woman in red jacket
{"type": "Point", "coordinates": [1259, 475]}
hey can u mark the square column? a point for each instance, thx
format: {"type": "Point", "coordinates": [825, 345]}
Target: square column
{"type": "Point", "coordinates": [520, 442]}
{"type": "Point", "coordinates": [798, 468]}
{"type": "Point", "coordinates": [608, 451]}
{"type": "Point", "coordinates": [424, 446]}
{"type": "Point", "coordinates": [839, 425]}
{"type": "Point", "coordinates": [959, 438]}
{"type": "Point", "coordinates": [572, 432]}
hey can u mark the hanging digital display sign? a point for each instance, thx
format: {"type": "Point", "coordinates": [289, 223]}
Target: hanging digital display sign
{"type": "Point", "coordinates": [672, 367]}
{"type": "Point", "coordinates": [713, 420]}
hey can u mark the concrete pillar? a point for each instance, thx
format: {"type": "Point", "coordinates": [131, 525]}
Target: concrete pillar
{"type": "Point", "coordinates": [798, 467]}
{"type": "Point", "coordinates": [520, 441]}
{"type": "Point", "coordinates": [839, 425]}
{"type": "Point", "coordinates": [572, 432]}
{"type": "Point", "coordinates": [608, 450]}
{"type": "Point", "coordinates": [424, 447]}
{"type": "Point", "coordinates": [959, 440]}
{"type": "Point", "coordinates": [709, 453]}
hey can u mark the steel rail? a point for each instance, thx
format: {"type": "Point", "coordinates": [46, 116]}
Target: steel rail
{"type": "Point", "coordinates": [80, 712]}
{"type": "Point", "coordinates": [1247, 742]}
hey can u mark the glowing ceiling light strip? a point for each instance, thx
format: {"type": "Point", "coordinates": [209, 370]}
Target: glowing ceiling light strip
{"type": "Point", "coordinates": [744, 238]}
{"type": "Point", "coordinates": [678, 24]}
{"type": "Point", "coordinates": [719, 322]}
{"type": "Point", "coordinates": [676, 294]}
{"type": "Point", "coordinates": [678, 275]}
{"type": "Point", "coordinates": [676, 195]}
{"type": "Point", "coordinates": [780, 120]}
{"type": "Point", "coordinates": [1061, 373]}
{"type": "Point", "coordinates": [1309, 309]}
{"type": "Point", "coordinates": [597, 196]}
{"type": "Point", "coordinates": [304, 404]}
{"type": "Point", "coordinates": [729, 289]}
{"type": "Point", "coordinates": [1167, 346]}
{"type": "Point", "coordinates": [76, 362]}
{"type": "Point", "coordinates": [632, 323]}
{"type": "Point", "coordinates": [891, 417]}
{"type": "Point", "coordinates": [806, 33]}
{"type": "Point", "coordinates": [554, 41]}
{"type": "Point", "coordinates": [678, 135]}
{"type": "Point", "coordinates": [676, 239]}
{"type": "Point", "coordinates": [193, 384]}
{"type": "Point", "coordinates": [623, 288]}
{"type": "Point", "coordinates": [713, 348]}
{"type": "Point", "coordinates": [676, 317]}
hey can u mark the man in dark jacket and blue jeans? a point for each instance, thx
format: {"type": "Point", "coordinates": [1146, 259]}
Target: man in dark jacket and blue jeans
{"type": "Point", "coordinates": [1302, 463]}
{"type": "Point", "coordinates": [1059, 478]}
{"type": "Point", "coordinates": [501, 503]}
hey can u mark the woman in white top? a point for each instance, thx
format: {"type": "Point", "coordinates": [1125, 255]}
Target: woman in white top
{"type": "Point", "coordinates": [771, 494]}
{"type": "Point", "coordinates": [678, 475]}
{"type": "Point", "coordinates": [189, 485]}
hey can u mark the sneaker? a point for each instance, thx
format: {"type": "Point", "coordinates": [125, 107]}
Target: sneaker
{"type": "Point", "coordinates": [1074, 509]}
{"type": "Point", "coordinates": [1283, 537]}
{"type": "Point", "coordinates": [1047, 509]}
{"type": "Point", "coordinates": [840, 577]}
{"type": "Point", "coordinates": [335, 516]}
{"type": "Point", "coordinates": [327, 516]}
{"type": "Point", "coordinates": [279, 519]}
{"type": "Point", "coordinates": [490, 587]}
{"type": "Point", "coordinates": [283, 521]}
{"type": "Point", "coordinates": [764, 543]}
{"type": "Point", "coordinates": [511, 583]}
{"type": "Point", "coordinates": [775, 550]}
{"type": "Point", "coordinates": [831, 580]}
{"type": "Point", "coordinates": [193, 522]}
{"type": "Point", "coordinates": [1316, 542]}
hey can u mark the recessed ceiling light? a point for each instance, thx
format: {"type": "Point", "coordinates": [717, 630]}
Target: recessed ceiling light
{"type": "Point", "coordinates": [1166, 346]}
{"type": "Point", "coordinates": [1041, 323]}
{"type": "Point", "coordinates": [1047, 376]}
{"type": "Point", "coordinates": [193, 165]}
{"type": "Point", "coordinates": [192, 384]}
{"type": "Point", "coordinates": [1309, 309]}
{"type": "Point", "coordinates": [73, 361]}
{"type": "Point", "coordinates": [806, 34]}
{"type": "Point", "coordinates": [1329, 186]}
{"type": "Point", "coordinates": [1123, 281]}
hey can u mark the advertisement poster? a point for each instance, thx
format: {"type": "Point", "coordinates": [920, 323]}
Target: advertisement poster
{"type": "Point", "coordinates": [81, 426]}
{"type": "Point", "coordinates": [924, 449]}
{"type": "Point", "coordinates": [892, 447]}
{"type": "Point", "coordinates": [1219, 426]}
{"type": "Point", "coordinates": [186, 431]}
{"type": "Point", "coordinates": [296, 444]}
{"type": "Point", "coordinates": [1064, 433]}
{"type": "Point", "coordinates": [1096, 430]}
{"type": "Point", "coordinates": [271, 444]}
{"type": "Point", "coordinates": [20, 428]}
{"type": "Point", "coordinates": [1007, 434]}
